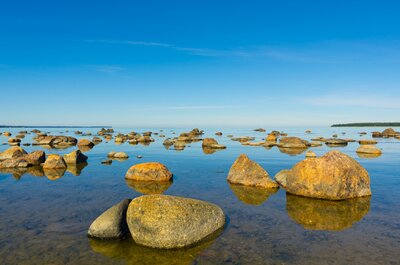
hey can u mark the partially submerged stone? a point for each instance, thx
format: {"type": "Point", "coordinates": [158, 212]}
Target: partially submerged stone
{"type": "Point", "coordinates": [54, 161]}
{"type": "Point", "coordinates": [167, 222]}
{"type": "Point", "coordinates": [85, 142]}
{"type": "Point", "coordinates": [334, 176]}
{"type": "Point", "coordinates": [112, 223]}
{"type": "Point", "coordinates": [249, 173]}
{"type": "Point", "coordinates": [310, 154]}
{"type": "Point", "coordinates": [75, 157]}
{"type": "Point", "coordinates": [150, 171]}
{"type": "Point", "coordinates": [293, 142]}
{"type": "Point", "coordinates": [369, 149]}
{"type": "Point", "coordinates": [367, 141]}
{"type": "Point", "coordinates": [212, 143]}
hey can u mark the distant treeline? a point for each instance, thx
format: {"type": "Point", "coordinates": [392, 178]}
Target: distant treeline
{"type": "Point", "coordinates": [368, 124]}
{"type": "Point", "coordinates": [28, 126]}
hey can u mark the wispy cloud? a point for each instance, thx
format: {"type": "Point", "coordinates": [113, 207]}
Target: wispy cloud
{"type": "Point", "coordinates": [109, 69]}
{"type": "Point", "coordinates": [346, 100]}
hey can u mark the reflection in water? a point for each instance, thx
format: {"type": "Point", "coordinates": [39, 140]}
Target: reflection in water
{"type": "Point", "coordinates": [132, 253]}
{"type": "Point", "coordinates": [76, 169]}
{"type": "Point", "coordinates": [252, 195]}
{"type": "Point", "coordinates": [149, 187]}
{"type": "Point", "coordinates": [292, 151]}
{"type": "Point", "coordinates": [315, 214]}
{"type": "Point", "coordinates": [36, 171]}
{"type": "Point", "coordinates": [54, 173]}
{"type": "Point", "coordinates": [368, 156]}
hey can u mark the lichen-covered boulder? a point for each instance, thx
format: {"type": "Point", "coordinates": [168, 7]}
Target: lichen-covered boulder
{"type": "Point", "coordinates": [249, 173]}
{"type": "Point", "coordinates": [334, 176]}
{"type": "Point", "coordinates": [112, 223]}
{"type": "Point", "coordinates": [166, 222]}
{"type": "Point", "coordinates": [150, 171]}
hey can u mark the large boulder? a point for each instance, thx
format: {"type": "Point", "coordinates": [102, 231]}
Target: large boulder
{"type": "Point", "coordinates": [75, 157]}
{"type": "Point", "coordinates": [167, 222]}
{"type": "Point", "coordinates": [390, 132]}
{"type": "Point", "coordinates": [112, 223]}
{"type": "Point", "coordinates": [293, 142]}
{"type": "Point", "coordinates": [334, 176]}
{"type": "Point", "coordinates": [54, 161]}
{"type": "Point", "coordinates": [12, 152]}
{"type": "Point", "coordinates": [249, 173]}
{"type": "Point", "coordinates": [23, 160]}
{"type": "Point", "coordinates": [150, 171]}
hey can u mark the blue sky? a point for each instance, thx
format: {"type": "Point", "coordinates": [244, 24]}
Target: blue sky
{"type": "Point", "coordinates": [199, 63]}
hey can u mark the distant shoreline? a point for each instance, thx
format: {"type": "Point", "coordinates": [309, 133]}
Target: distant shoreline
{"type": "Point", "coordinates": [29, 126]}
{"type": "Point", "coordinates": [368, 124]}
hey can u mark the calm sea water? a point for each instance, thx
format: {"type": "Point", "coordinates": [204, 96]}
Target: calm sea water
{"type": "Point", "coordinates": [45, 220]}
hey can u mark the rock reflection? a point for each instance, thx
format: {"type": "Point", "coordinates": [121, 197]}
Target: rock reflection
{"type": "Point", "coordinates": [315, 214]}
{"type": "Point", "coordinates": [148, 187]}
{"type": "Point", "coordinates": [368, 156]}
{"type": "Point", "coordinates": [54, 173]}
{"type": "Point", "coordinates": [85, 148]}
{"type": "Point", "coordinates": [292, 151]}
{"type": "Point", "coordinates": [76, 169]}
{"type": "Point", "coordinates": [17, 173]}
{"type": "Point", "coordinates": [252, 195]}
{"type": "Point", "coordinates": [132, 253]}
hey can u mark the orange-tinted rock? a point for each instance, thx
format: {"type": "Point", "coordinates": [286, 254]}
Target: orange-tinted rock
{"type": "Point", "coordinates": [54, 161]}
{"type": "Point", "coordinates": [367, 141]}
{"type": "Point", "coordinates": [334, 176]}
{"type": "Point", "coordinates": [293, 142]}
{"type": "Point", "coordinates": [369, 149]}
{"type": "Point", "coordinates": [390, 132]}
{"type": "Point", "coordinates": [249, 173]}
{"type": "Point", "coordinates": [151, 171]}
{"type": "Point", "coordinates": [12, 152]}
{"type": "Point", "coordinates": [85, 142]}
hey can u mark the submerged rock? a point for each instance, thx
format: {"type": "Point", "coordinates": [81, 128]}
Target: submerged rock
{"type": "Point", "coordinates": [112, 223]}
{"type": "Point", "coordinates": [212, 143]}
{"type": "Point", "coordinates": [167, 222]}
{"type": "Point", "coordinates": [315, 214]}
{"type": "Point", "coordinates": [249, 173]}
{"type": "Point", "coordinates": [334, 176]}
{"type": "Point", "coordinates": [150, 171]}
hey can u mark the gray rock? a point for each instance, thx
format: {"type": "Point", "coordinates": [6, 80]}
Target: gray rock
{"type": "Point", "coordinates": [112, 223]}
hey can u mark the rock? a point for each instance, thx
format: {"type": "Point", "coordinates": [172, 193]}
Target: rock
{"type": "Point", "coordinates": [96, 140]}
{"type": "Point", "coordinates": [7, 134]}
{"type": "Point", "coordinates": [218, 133]}
{"type": "Point", "coordinates": [315, 144]}
{"type": "Point", "coordinates": [85, 142]}
{"type": "Point", "coordinates": [271, 138]}
{"type": "Point", "coordinates": [308, 131]}
{"type": "Point", "coordinates": [260, 130]}
{"type": "Point", "coordinates": [75, 157]}
{"type": "Point", "coordinates": [150, 171]}
{"type": "Point", "coordinates": [336, 142]}
{"type": "Point", "coordinates": [334, 176]}
{"type": "Point", "coordinates": [112, 223]}
{"type": "Point", "coordinates": [179, 145]}
{"type": "Point", "coordinates": [167, 222]}
{"type": "Point", "coordinates": [14, 140]}
{"type": "Point", "coordinates": [369, 149]}
{"type": "Point", "coordinates": [367, 142]}
{"type": "Point", "coordinates": [376, 134]}
{"type": "Point", "coordinates": [212, 143]}
{"type": "Point", "coordinates": [121, 155]}
{"type": "Point", "coordinates": [390, 132]}
{"type": "Point", "coordinates": [249, 173]}
{"type": "Point", "coordinates": [293, 142]}
{"type": "Point", "coordinates": [12, 152]}
{"type": "Point", "coordinates": [107, 162]}
{"type": "Point", "coordinates": [243, 139]}
{"type": "Point", "coordinates": [23, 160]}
{"type": "Point", "coordinates": [139, 156]}
{"type": "Point", "coordinates": [111, 154]}
{"type": "Point", "coordinates": [310, 154]}
{"type": "Point", "coordinates": [54, 161]}
{"type": "Point", "coordinates": [35, 158]}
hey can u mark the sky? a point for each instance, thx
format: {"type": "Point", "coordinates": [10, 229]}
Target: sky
{"type": "Point", "coordinates": [199, 63]}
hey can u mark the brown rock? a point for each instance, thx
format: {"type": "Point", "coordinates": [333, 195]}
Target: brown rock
{"type": "Point", "coordinates": [369, 149]}
{"type": "Point", "coordinates": [54, 161]}
{"type": "Point", "coordinates": [150, 171]}
{"type": "Point", "coordinates": [334, 176]}
{"type": "Point", "coordinates": [75, 157]}
{"type": "Point", "coordinates": [249, 173]}
{"type": "Point", "coordinates": [12, 152]}
{"type": "Point", "coordinates": [293, 142]}
{"type": "Point", "coordinates": [85, 142]}
{"type": "Point", "coordinates": [367, 142]}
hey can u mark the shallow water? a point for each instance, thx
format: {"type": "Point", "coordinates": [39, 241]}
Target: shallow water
{"type": "Point", "coordinates": [44, 220]}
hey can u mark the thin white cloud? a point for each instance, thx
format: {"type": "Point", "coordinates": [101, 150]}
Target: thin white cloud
{"type": "Point", "coordinates": [346, 100]}
{"type": "Point", "coordinates": [109, 69]}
